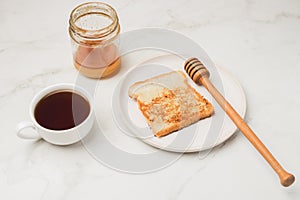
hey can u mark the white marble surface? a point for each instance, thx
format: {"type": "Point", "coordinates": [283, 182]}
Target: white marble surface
{"type": "Point", "coordinates": [258, 41]}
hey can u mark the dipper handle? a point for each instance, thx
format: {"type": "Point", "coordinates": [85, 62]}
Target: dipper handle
{"type": "Point", "coordinates": [200, 75]}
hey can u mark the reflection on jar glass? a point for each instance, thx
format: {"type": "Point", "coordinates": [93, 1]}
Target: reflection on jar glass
{"type": "Point", "coordinates": [94, 30]}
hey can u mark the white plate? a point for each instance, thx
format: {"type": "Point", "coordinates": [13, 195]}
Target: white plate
{"type": "Point", "coordinates": [202, 135]}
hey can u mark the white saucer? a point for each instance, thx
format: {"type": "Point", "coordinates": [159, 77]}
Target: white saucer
{"type": "Point", "coordinates": [200, 136]}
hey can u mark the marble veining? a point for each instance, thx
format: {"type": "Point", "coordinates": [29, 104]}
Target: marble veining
{"type": "Point", "coordinates": [258, 41]}
{"type": "Point", "coordinates": [29, 82]}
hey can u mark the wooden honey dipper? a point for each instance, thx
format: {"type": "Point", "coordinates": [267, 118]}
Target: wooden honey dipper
{"type": "Point", "coordinates": [200, 75]}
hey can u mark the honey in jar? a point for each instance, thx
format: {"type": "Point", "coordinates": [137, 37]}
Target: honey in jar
{"type": "Point", "coordinates": [94, 30]}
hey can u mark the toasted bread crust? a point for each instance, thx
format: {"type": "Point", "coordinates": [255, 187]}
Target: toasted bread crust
{"type": "Point", "coordinates": [135, 86]}
{"type": "Point", "coordinates": [169, 103]}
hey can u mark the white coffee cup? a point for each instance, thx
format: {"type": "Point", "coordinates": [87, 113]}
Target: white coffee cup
{"type": "Point", "coordinates": [57, 137]}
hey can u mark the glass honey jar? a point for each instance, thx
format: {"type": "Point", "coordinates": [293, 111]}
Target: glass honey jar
{"type": "Point", "coordinates": [94, 30]}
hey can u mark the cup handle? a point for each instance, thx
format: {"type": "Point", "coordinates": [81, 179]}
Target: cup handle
{"type": "Point", "coordinates": [27, 135]}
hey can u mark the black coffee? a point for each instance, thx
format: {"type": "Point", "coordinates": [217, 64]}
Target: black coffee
{"type": "Point", "coordinates": [61, 110]}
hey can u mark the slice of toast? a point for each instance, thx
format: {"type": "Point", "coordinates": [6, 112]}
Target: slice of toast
{"type": "Point", "coordinates": [169, 103]}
